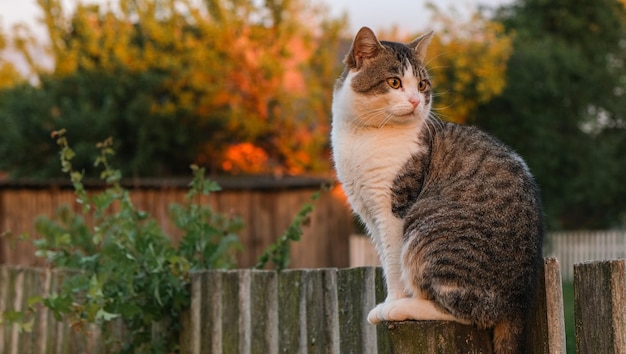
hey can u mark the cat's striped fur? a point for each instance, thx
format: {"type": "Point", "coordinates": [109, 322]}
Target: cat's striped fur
{"type": "Point", "coordinates": [454, 214]}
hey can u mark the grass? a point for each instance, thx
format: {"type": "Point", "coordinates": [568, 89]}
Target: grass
{"type": "Point", "coordinates": [568, 312]}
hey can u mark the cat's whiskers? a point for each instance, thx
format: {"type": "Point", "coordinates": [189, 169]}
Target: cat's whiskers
{"type": "Point", "coordinates": [434, 120]}
{"type": "Point", "coordinates": [429, 124]}
{"type": "Point", "coordinates": [442, 108]}
{"type": "Point", "coordinates": [440, 93]}
{"type": "Point", "coordinates": [386, 120]}
{"type": "Point", "coordinates": [438, 67]}
{"type": "Point", "coordinates": [427, 64]}
{"type": "Point", "coordinates": [363, 120]}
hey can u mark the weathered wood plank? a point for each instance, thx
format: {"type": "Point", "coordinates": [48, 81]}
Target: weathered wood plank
{"type": "Point", "coordinates": [322, 330]}
{"type": "Point", "coordinates": [600, 306]}
{"type": "Point", "coordinates": [194, 335]}
{"type": "Point", "coordinates": [264, 312]}
{"type": "Point", "coordinates": [292, 311]}
{"type": "Point", "coordinates": [30, 288]}
{"type": "Point", "coordinates": [210, 311]}
{"type": "Point", "coordinates": [436, 337]}
{"type": "Point", "coordinates": [232, 332]}
{"type": "Point", "coordinates": [4, 285]}
{"type": "Point", "coordinates": [547, 332]}
{"type": "Point", "coordinates": [356, 296]}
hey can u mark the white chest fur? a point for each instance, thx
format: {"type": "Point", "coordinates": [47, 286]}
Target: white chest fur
{"type": "Point", "coordinates": [367, 162]}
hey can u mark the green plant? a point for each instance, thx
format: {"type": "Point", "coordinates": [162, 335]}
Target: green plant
{"type": "Point", "coordinates": [127, 268]}
{"type": "Point", "coordinates": [278, 252]}
{"type": "Point", "coordinates": [121, 265]}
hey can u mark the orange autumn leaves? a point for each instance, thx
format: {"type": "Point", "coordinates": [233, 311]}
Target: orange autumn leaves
{"type": "Point", "coordinates": [260, 74]}
{"type": "Point", "coordinates": [245, 158]}
{"type": "Point", "coordinates": [467, 61]}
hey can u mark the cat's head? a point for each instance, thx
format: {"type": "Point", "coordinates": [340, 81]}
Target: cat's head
{"type": "Point", "coordinates": [384, 83]}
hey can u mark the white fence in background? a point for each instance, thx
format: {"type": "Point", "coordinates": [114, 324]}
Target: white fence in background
{"type": "Point", "coordinates": [569, 247]}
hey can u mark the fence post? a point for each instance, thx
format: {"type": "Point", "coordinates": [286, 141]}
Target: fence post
{"type": "Point", "coordinates": [356, 296]}
{"type": "Point", "coordinates": [600, 306]}
{"type": "Point", "coordinates": [546, 332]}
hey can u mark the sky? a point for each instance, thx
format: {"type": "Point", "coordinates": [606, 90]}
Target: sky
{"type": "Point", "coordinates": [408, 15]}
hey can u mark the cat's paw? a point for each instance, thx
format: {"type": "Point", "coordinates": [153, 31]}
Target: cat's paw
{"type": "Point", "coordinates": [375, 316]}
{"type": "Point", "coordinates": [409, 309]}
{"type": "Point", "coordinates": [395, 310]}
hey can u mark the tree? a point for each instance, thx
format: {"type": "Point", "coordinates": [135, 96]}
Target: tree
{"type": "Point", "coordinates": [9, 75]}
{"type": "Point", "coordinates": [561, 106]}
{"type": "Point", "coordinates": [177, 83]}
{"type": "Point", "coordinates": [469, 62]}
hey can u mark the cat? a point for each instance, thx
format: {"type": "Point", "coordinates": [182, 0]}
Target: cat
{"type": "Point", "coordinates": [455, 215]}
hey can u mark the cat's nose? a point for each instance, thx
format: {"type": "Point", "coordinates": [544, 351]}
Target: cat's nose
{"type": "Point", "coordinates": [414, 100]}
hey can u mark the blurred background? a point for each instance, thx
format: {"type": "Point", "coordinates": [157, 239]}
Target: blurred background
{"type": "Point", "coordinates": [244, 87]}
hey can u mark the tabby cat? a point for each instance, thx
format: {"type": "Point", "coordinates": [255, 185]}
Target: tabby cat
{"type": "Point", "coordinates": [454, 214]}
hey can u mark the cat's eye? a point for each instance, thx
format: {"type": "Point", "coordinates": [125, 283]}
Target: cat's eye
{"type": "Point", "coordinates": [423, 85]}
{"type": "Point", "coordinates": [394, 82]}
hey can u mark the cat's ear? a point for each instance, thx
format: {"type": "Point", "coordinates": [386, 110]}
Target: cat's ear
{"type": "Point", "coordinates": [420, 44]}
{"type": "Point", "coordinates": [365, 46]}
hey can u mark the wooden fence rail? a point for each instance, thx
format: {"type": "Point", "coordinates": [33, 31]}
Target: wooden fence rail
{"type": "Point", "coordinates": [293, 311]}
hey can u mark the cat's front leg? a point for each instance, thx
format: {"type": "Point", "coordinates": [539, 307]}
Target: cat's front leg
{"type": "Point", "coordinates": [387, 238]}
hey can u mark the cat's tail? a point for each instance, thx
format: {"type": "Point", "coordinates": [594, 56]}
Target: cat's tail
{"type": "Point", "coordinates": [508, 337]}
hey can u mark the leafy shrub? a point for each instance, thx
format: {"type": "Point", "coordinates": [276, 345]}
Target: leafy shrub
{"type": "Point", "coordinates": [122, 267]}
{"type": "Point", "coordinates": [127, 267]}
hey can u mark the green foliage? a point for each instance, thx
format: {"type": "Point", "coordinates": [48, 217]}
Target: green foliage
{"type": "Point", "coordinates": [24, 320]}
{"type": "Point", "coordinates": [126, 267]}
{"type": "Point", "coordinates": [562, 108]}
{"type": "Point", "coordinates": [176, 82]}
{"type": "Point", "coordinates": [122, 267]}
{"type": "Point", "coordinates": [99, 104]}
{"type": "Point", "coordinates": [278, 252]}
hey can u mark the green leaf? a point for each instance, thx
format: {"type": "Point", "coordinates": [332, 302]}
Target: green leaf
{"type": "Point", "coordinates": [106, 316]}
{"type": "Point", "coordinates": [34, 300]}
{"type": "Point", "coordinates": [67, 154]}
{"type": "Point", "coordinates": [27, 327]}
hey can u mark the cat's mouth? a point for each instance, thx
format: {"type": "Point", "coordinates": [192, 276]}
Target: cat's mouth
{"type": "Point", "coordinates": [403, 112]}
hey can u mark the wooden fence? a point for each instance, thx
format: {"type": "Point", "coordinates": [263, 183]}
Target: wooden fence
{"type": "Point", "coordinates": [294, 311]}
{"type": "Point", "coordinates": [266, 205]}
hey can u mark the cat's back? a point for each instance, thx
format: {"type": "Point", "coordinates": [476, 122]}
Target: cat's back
{"type": "Point", "coordinates": [481, 178]}
{"type": "Point", "coordinates": [466, 166]}
{"type": "Point", "coordinates": [476, 224]}
{"type": "Point", "coordinates": [463, 156]}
